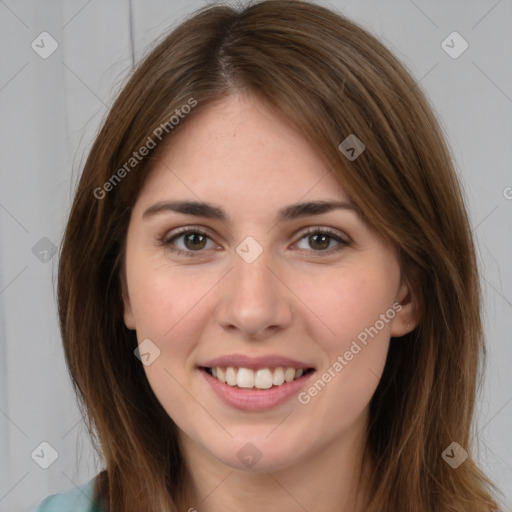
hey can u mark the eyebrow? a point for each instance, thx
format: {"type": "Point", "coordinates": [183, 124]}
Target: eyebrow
{"type": "Point", "coordinates": [209, 211]}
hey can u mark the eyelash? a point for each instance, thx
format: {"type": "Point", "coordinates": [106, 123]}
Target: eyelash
{"type": "Point", "coordinates": [167, 240]}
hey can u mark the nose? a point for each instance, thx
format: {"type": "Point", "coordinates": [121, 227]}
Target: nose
{"type": "Point", "coordinates": [254, 299]}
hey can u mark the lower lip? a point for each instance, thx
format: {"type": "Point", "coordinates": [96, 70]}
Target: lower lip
{"type": "Point", "coordinates": [255, 399]}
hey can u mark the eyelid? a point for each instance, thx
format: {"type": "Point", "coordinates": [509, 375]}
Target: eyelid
{"type": "Point", "coordinates": [309, 230]}
{"type": "Point", "coordinates": [165, 240]}
{"type": "Point", "coordinates": [340, 237]}
{"type": "Point", "coordinates": [335, 233]}
{"type": "Point", "coordinates": [169, 235]}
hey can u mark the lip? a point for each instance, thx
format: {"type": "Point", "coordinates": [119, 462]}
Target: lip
{"type": "Point", "coordinates": [255, 399]}
{"type": "Point", "coordinates": [255, 362]}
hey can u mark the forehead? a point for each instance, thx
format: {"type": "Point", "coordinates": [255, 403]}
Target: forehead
{"type": "Point", "coordinates": [240, 152]}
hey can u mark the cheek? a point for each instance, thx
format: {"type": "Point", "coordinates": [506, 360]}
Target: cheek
{"type": "Point", "coordinates": [163, 299]}
{"type": "Point", "coordinates": [351, 303]}
{"type": "Point", "coordinates": [168, 310]}
{"type": "Point", "coordinates": [356, 312]}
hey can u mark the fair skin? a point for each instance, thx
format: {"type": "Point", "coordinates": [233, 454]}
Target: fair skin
{"type": "Point", "coordinates": [298, 299]}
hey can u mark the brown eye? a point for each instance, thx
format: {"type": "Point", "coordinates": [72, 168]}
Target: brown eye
{"type": "Point", "coordinates": [193, 240]}
{"type": "Point", "coordinates": [320, 239]}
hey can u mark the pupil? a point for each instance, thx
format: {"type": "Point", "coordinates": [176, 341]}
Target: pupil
{"type": "Point", "coordinates": [193, 236]}
{"type": "Point", "coordinates": [324, 245]}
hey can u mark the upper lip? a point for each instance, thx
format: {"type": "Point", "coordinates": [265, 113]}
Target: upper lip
{"type": "Point", "coordinates": [255, 362]}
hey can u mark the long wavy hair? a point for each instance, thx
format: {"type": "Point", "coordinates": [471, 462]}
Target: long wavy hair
{"type": "Point", "coordinates": [332, 79]}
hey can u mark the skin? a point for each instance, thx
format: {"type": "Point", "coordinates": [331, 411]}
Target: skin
{"type": "Point", "coordinates": [293, 300]}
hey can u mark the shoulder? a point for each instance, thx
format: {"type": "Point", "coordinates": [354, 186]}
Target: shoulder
{"type": "Point", "coordinates": [79, 499]}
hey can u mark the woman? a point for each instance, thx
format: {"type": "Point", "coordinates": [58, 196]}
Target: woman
{"type": "Point", "coordinates": [268, 290]}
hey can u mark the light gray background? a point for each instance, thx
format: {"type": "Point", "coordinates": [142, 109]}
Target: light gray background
{"type": "Point", "coordinates": [51, 108]}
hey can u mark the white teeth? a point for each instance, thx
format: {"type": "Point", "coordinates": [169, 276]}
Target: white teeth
{"type": "Point", "coordinates": [264, 378]}
{"type": "Point", "coordinates": [289, 374]}
{"type": "Point", "coordinates": [231, 376]}
{"type": "Point", "coordinates": [221, 374]}
{"type": "Point", "coordinates": [278, 377]}
{"type": "Point", "coordinates": [245, 378]}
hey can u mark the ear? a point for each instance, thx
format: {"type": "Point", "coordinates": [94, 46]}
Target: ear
{"type": "Point", "coordinates": [407, 318]}
{"type": "Point", "coordinates": [129, 319]}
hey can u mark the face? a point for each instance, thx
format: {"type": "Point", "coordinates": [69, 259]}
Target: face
{"type": "Point", "coordinates": [294, 307]}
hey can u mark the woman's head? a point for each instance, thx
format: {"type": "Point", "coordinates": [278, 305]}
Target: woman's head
{"type": "Point", "coordinates": [258, 286]}
{"type": "Point", "coordinates": [253, 111]}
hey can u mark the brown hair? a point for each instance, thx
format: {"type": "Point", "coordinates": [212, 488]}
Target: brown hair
{"type": "Point", "coordinates": [332, 79]}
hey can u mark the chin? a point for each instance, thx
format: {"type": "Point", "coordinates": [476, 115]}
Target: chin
{"type": "Point", "coordinates": [257, 454]}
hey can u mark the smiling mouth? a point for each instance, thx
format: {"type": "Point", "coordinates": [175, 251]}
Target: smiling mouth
{"type": "Point", "coordinates": [264, 378]}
